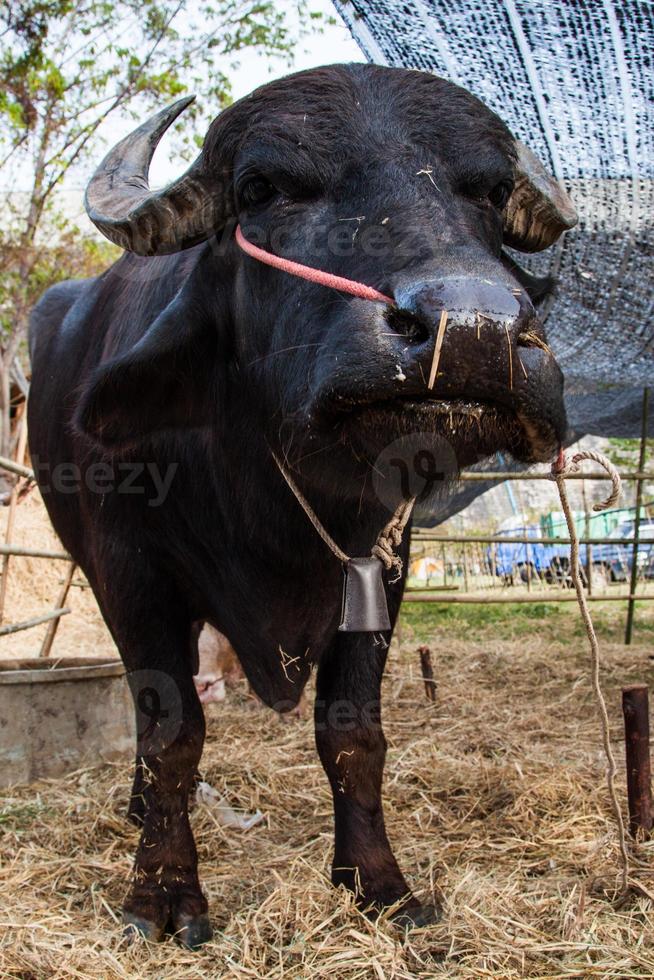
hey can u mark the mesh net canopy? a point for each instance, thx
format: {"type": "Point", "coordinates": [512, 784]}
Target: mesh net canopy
{"type": "Point", "coordinates": [573, 79]}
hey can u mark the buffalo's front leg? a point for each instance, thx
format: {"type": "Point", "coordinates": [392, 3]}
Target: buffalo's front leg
{"type": "Point", "coordinates": [165, 892]}
{"type": "Point", "coordinates": [352, 749]}
{"type": "Point", "coordinates": [137, 801]}
{"type": "Point", "coordinates": [153, 637]}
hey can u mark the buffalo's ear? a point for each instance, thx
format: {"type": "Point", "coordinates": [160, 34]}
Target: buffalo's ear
{"type": "Point", "coordinates": [168, 380]}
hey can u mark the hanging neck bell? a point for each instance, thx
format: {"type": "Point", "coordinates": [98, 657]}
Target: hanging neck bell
{"type": "Point", "coordinates": [364, 608]}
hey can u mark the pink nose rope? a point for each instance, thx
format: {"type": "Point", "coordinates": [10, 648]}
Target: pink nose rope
{"type": "Point", "coordinates": [307, 272]}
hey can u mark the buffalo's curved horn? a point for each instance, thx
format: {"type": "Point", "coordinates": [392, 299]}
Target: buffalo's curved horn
{"type": "Point", "coordinates": [120, 203]}
{"type": "Point", "coordinates": [539, 210]}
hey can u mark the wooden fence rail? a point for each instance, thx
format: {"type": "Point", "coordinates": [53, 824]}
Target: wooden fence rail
{"type": "Point", "coordinates": [37, 621]}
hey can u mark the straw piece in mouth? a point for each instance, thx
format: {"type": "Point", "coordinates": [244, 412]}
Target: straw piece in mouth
{"type": "Point", "coordinates": [437, 349]}
{"type": "Point", "coordinates": [508, 341]}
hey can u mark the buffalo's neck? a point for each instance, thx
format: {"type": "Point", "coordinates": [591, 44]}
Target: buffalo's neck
{"type": "Point", "coordinates": [258, 567]}
{"type": "Point", "coordinates": [271, 513]}
{"type": "Point", "coordinates": [250, 561]}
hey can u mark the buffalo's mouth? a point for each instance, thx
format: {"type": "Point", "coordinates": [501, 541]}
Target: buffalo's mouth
{"type": "Point", "coordinates": [474, 429]}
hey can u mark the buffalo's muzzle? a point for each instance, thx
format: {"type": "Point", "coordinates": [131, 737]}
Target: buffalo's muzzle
{"type": "Point", "coordinates": [493, 351]}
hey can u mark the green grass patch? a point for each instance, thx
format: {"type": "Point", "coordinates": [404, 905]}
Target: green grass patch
{"type": "Point", "coordinates": [423, 621]}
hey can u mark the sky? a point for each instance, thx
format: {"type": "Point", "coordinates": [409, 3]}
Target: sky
{"type": "Point", "coordinates": [333, 45]}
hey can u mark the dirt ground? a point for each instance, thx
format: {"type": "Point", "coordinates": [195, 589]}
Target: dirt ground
{"type": "Point", "coordinates": [495, 800]}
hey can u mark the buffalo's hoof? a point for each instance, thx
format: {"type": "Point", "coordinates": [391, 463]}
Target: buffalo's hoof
{"type": "Point", "coordinates": [135, 927]}
{"type": "Point", "coordinates": [192, 931]}
{"type": "Point", "coordinates": [416, 916]}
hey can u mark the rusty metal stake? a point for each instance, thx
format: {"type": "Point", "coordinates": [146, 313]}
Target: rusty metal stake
{"type": "Point", "coordinates": [427, 673]}
{"type": "Point", "coordinates": [635, 708]}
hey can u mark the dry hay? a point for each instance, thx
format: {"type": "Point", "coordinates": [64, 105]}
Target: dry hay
{"type": "Point", "coordinates": [32, 588]}
{"type": "Point", "coordinates": [495, 799]}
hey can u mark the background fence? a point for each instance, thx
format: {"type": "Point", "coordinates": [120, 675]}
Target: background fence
{"type": "Point", "coordinates": [531, 567]}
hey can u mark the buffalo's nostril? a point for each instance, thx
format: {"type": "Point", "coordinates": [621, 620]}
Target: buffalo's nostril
{"type": "Point", "coordinates": [408, 324]}
{"type": "Point", "coordinates": [468, 300]}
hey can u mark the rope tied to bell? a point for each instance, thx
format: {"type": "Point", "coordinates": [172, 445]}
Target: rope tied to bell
{"type": "Point", "coordinates": [388, 539]}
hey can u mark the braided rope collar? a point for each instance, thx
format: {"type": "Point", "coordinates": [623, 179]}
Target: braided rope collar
{"type": "Point", "coordinates": [388, 539]}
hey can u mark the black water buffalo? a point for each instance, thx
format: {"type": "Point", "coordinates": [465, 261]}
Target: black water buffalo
{"type": "Point", "coordinates": [162, 389]}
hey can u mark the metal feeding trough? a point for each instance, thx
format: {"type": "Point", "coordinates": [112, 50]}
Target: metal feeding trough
{"type": "Point", "coordinates": [58, 715]}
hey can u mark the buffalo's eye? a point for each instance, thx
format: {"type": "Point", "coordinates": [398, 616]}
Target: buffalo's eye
{"type": "Point", "coordinates": [500, 194]}
{"type": "Point", "coordinates": [256, 191]}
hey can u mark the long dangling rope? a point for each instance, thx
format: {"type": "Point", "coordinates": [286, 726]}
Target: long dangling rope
{"type": "Point", "coordinates": [387, 541]}
{"type": "Point", "coordinates": [560, 469]}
